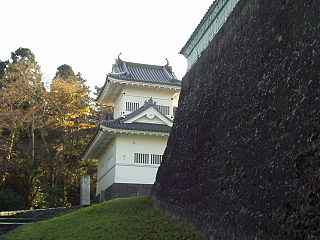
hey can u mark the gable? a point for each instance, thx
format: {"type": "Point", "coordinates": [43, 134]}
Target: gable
{"type": "Point", "coordinates": [150, 119]}
{"type": "Point", "coordinates": [149, 115]}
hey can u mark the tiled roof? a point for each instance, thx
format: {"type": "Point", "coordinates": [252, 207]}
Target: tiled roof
{"type": "Point", "coordinates": [150, 127]}
{"type": "Point", "coordinates": [138, 126]}
{"type": "Point", "coordinates": [119, 123]}
{"type": "Point", "coordinates": [144, 73]}
{"type": "Point", "coordinates": [146, 105]}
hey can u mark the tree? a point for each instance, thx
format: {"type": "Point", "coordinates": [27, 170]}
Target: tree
{"type": "Point", "coordinates": [70, 108]}
{"type": "Point", "coordinates": [43, 133]}
{"type": "Point", "coordinates": [65, 71]}
{"type": "Point", "coordinates": [3, 66]}
{"type": "Point", "coordinates": [21, 111]}
{"type": "Point", "coordinates": [23, 54]}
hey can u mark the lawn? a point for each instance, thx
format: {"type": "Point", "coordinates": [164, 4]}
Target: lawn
{"type": "Point", "coordinates": [119, 219]}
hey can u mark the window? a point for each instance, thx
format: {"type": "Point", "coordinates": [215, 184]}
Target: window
{"type": "Point", "coordinates": [144, 158]}
{"type": "Point", "coordinates": [141, 158]}
{"type": "Point", "coordinates": [163, 109]}
{"type": "Point", "coordinates": [156, 159]}
{"type": "Point", "coordinates": [132, 106]}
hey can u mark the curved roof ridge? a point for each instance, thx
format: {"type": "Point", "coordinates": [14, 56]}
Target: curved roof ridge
{"type": "Point", "coordinates": [143, 65]}
{"type": "Point", "coordinates": [141, 72]}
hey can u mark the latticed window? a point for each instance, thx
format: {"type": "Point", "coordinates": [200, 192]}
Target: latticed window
{"type": "Point", "coordinates": [141, 158]}
{"type": "Point", "coordinates": [156, 159]}
{"type": "Point", "coordinates": [132, 106]}
{"type": "Point", "coordinates": [163, 109]}
{"type": "Point", "coordinates": [146, 158]}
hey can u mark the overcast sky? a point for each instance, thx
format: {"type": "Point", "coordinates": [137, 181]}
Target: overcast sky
{"type": "Point", "coordinates": [89, 34]}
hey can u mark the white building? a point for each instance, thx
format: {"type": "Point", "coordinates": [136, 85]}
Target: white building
{"type": "Point", "coordinates": [129, 148]}
{"type": "Point", "coordinates": [208, 27]}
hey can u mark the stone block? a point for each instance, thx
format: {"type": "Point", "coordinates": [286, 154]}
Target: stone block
{"type": "Point", "coordinates": [85, 190]}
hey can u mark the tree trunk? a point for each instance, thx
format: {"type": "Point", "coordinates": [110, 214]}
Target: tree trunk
{"type": "Point", "coordinates": [8, 155]}
{"type": "Point", "coordinates": [12, 136]}
{"type": "Point", "coordinates": [50, 161]}
{"type": "Point", "coordinates": [32, 144]}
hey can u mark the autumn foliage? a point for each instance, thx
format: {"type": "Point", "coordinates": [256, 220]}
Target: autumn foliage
{"type": "Point", "coordinates": [43, 132]}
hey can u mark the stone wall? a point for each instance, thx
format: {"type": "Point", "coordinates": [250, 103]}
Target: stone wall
{"type": "Point", "coordinates": [248, 109]}
{"type": "Point", "coordinates": [121, 190]}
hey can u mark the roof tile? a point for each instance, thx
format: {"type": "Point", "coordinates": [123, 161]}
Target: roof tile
{"type": "Point", "coordinates": [150, 127]}
{"type": "Point", "coordinates": [144, 73]}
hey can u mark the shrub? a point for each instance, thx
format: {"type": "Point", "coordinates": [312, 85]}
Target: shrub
{"type": "Point", "coordinates": [11, 201]}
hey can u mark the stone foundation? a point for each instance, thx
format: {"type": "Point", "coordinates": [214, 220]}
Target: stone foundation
{"type": "Point", "coordinates": [236, 164]}
{"type": "Point", "coordinates": [121, 190]}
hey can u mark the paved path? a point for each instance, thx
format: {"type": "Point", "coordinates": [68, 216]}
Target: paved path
{"type": "Point", "coordinates": [13, 219]}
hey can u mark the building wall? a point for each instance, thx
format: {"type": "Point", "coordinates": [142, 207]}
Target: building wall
{"type": "Point", "coordinates": [210, 27]}
{"type": "Point", "coordinates": [140, 95]}
{"type": "Point", "coordinates": [129, 172]}
{"type": "Point", "coordinates": [116, 164]}
{"type": "Point", "coordinates": [106, 167]}
{"type": "Point", "coordinates": [118, 106]}
{"type": "Point", "coordinates": [154, 120]}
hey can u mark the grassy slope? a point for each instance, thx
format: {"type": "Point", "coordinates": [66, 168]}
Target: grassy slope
{"type": "Point", "coordinates": [128, 218]}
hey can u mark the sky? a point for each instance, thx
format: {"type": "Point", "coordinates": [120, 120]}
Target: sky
{"type": "Point", "coordinates": [88, 35]}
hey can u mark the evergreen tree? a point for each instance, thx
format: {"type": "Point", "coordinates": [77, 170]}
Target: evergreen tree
{"type": "Point", "coordinates": [43, 134]}
{"type": "Point", "coordinates": [3, 66]}
{"type": "Point", "coordinates": [70, 108]}
{"type": "Point", "coordinates": [23, 54]}
{"type": "Point", "coordinates": [64, 71]}
{"type": "Point", "coordinates": [21, 111]}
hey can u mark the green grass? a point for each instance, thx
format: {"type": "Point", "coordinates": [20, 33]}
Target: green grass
{"type": "Point", "coordinates": [127, 218]}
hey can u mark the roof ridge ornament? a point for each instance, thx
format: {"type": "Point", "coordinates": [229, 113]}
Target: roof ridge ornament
{"type": "Point", "coordinates": [168, 71]}
{"type": "Point", "coordinates": [150, 102]}
{"type": "Point", "coordinates": [125, 69]}
{"type": "Point", "coordinates": [118, 61]}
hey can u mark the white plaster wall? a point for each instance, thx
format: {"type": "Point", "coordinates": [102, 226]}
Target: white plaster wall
{"type": "Point", "coordinates": [118, 106]}
{"type": "Point", "coordinates": [129, 172]}
{"type": "Point", "coordinates": [213, 23]}
{"type": "Point", "coordinates": [136, 174]}
{"type": "Point", "coordinates": [176, 97]}
{"type": "Point", "coordinates": [106, 181]}
{"type": "Point", "coordinates": [150, 115]}
{"type": "Point", "coordinates": [106, 170]}
{"type": "Point", "coordinates": [140, 95]}
{"type": "Point", "coordinates": [154, 120]}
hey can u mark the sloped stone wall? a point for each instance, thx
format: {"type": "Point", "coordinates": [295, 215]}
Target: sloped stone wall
{"type": "Point", "coordinates": [248, 109]}
{"type": "Point", "coordinates": [122, 190]}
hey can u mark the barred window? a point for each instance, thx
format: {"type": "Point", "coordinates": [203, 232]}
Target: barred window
{"type": "Point", "coordinates": [156, 159]}
{"type": "Point", "coordinates": [132, 106]}
{"type": "Point", "coordinates": [163, 109]}
{"type": "Point", "coordinates": [141, 158]}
